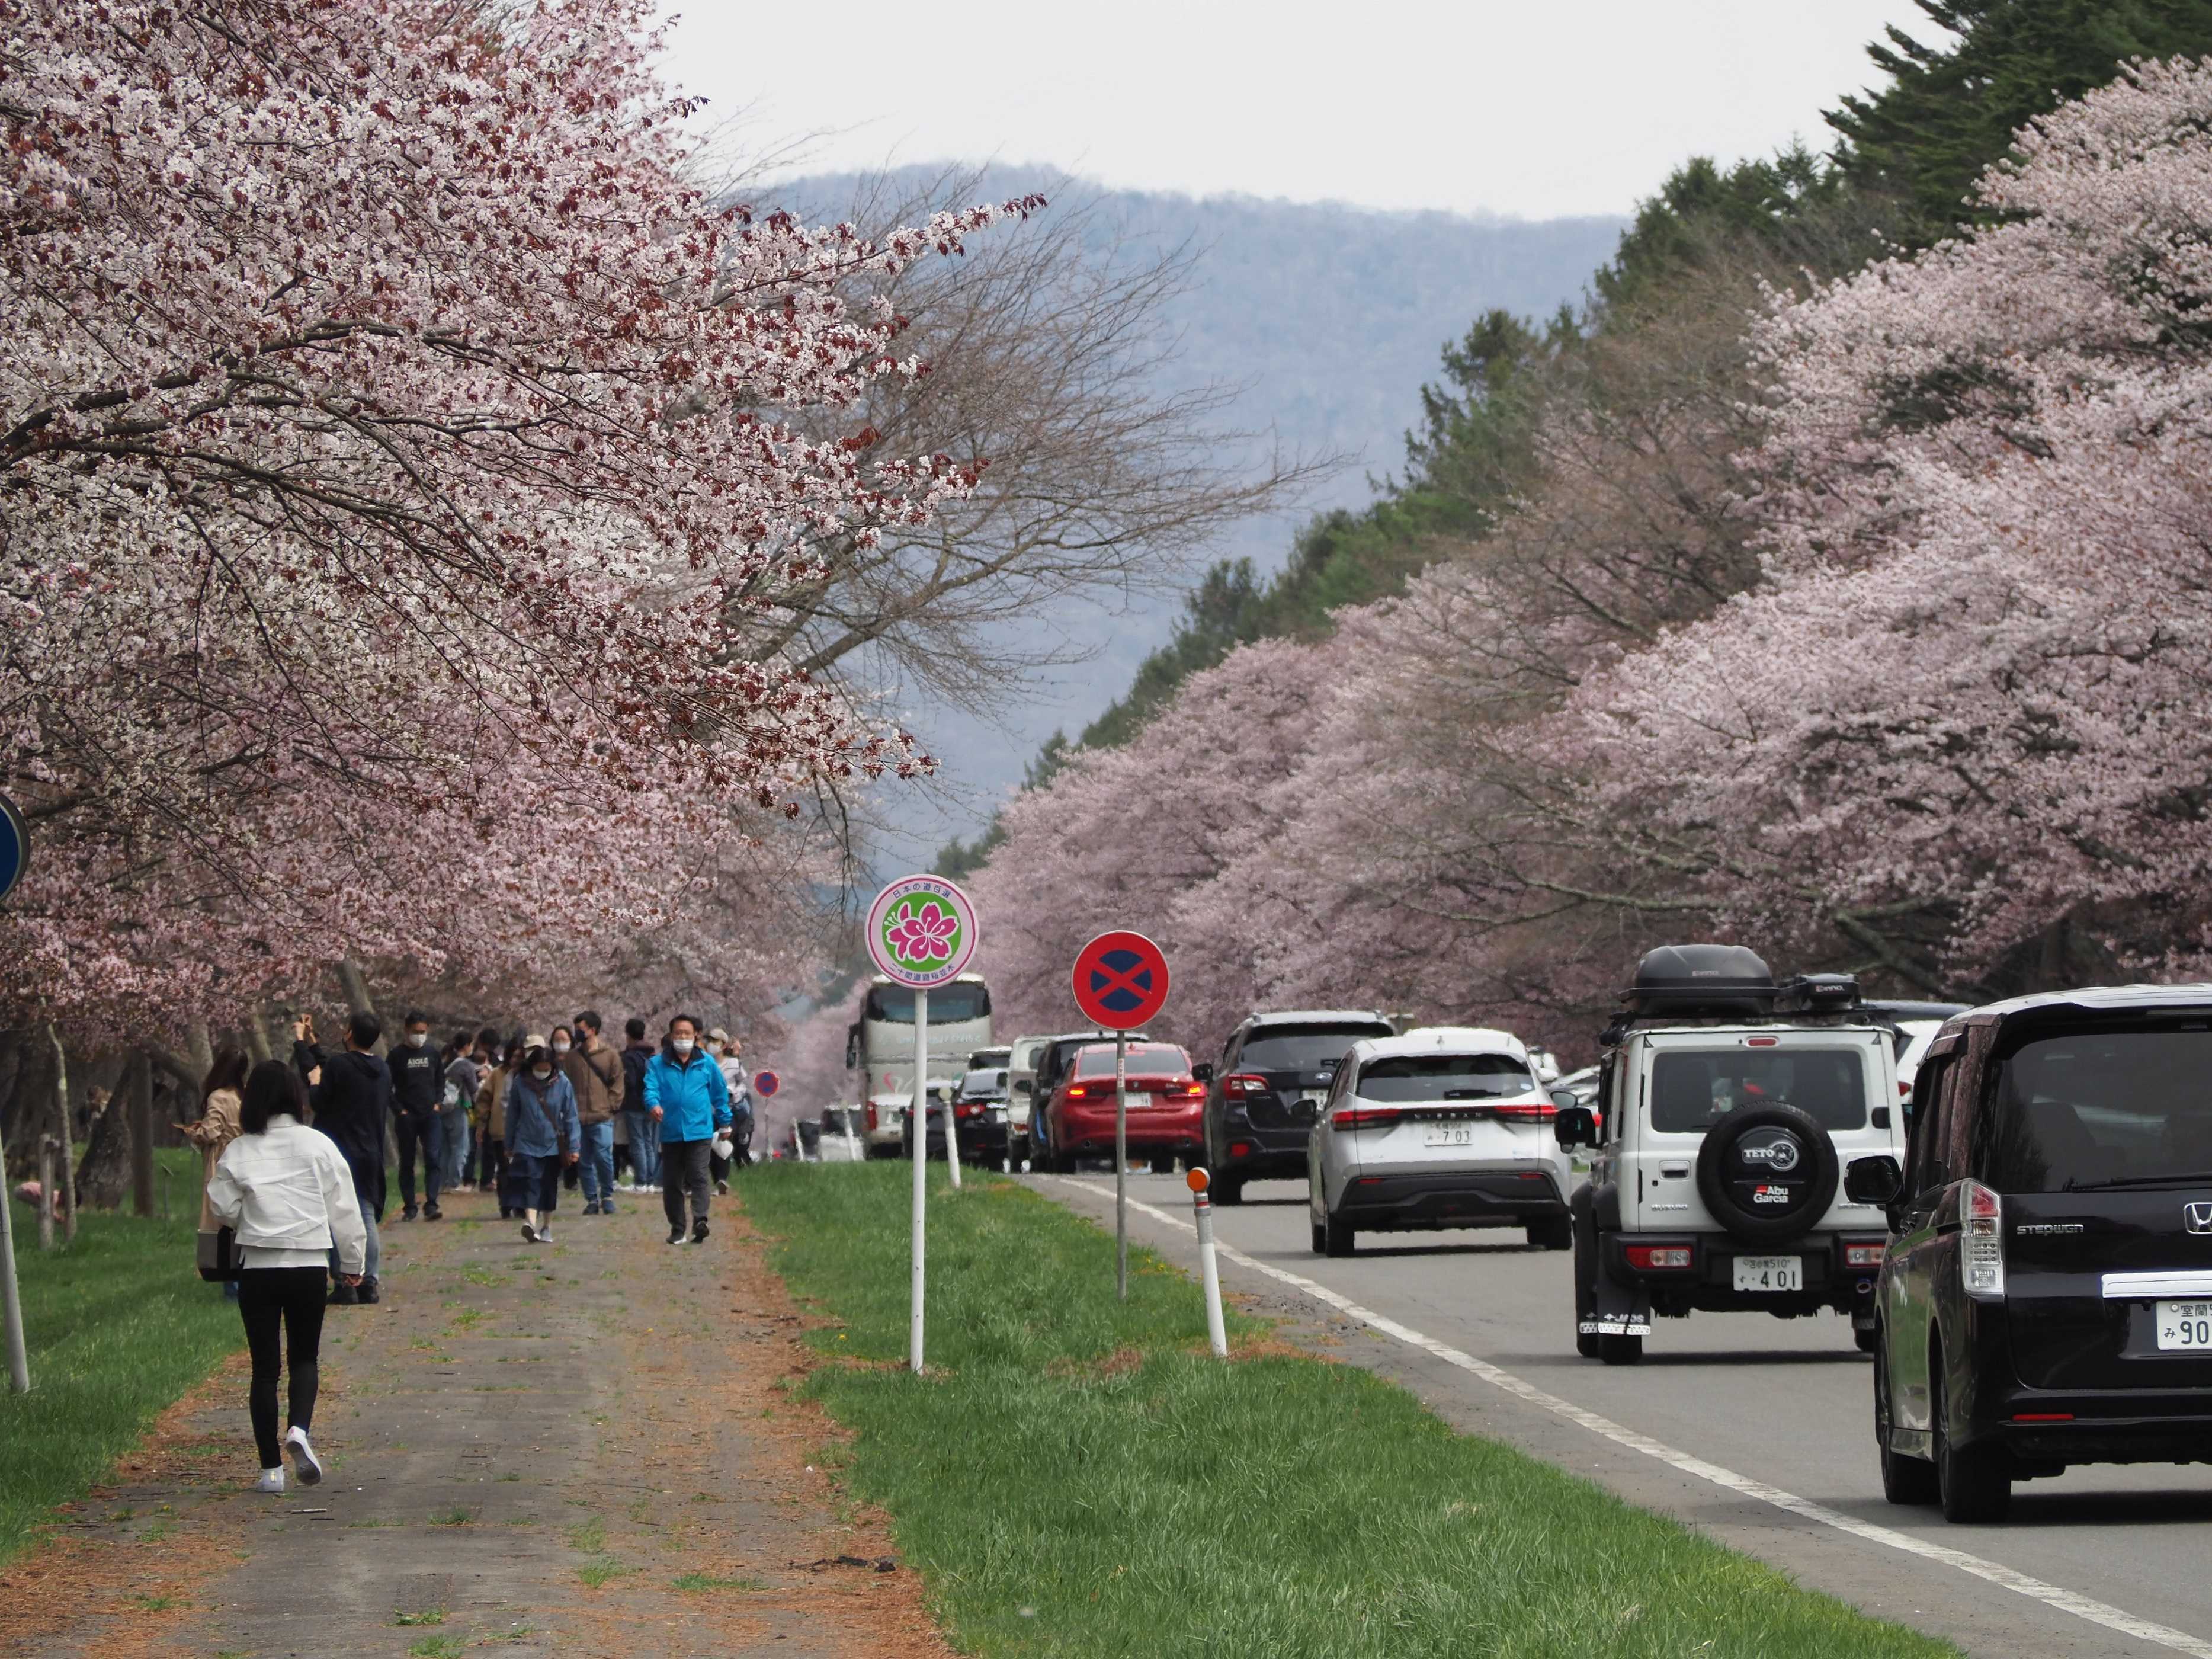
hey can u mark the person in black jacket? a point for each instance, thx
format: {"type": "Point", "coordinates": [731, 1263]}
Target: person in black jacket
{"type": "Point", "coordinates": [418, 1083]}
{"type": "Point", "coordinates": [351, 1096]}
{"type": "Point", "coordinates": [644, 1132]}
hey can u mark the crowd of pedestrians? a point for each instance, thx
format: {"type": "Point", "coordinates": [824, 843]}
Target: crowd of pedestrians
{"type": "Point", "coordinates": [297, 1156]}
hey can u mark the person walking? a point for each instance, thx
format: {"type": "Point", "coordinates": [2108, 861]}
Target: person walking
{"type": "Point", "coordinates": [686, 1097]}
{"type": "Point", "coordinates": [462, 1077]}
{"type": "Point", "coordinates": [290, 1194]}
{"type": "Point", "coordinates": [644, 1133]}
{"type": "Point", "coordinates": [491, 1126]}
{"type": "Point", "coordinates": [542, 1135]}
{"type": "Point", "coordinates": [418, 1085]}
{"type": "Point", "coordinates": [350, 1095]}
{"type": "Point", "coordinates": [741, 1101]}
{"type": "Point", "coordinates": [594, 1070]}
{"type": "Point", "coordinates": [221, 1091]}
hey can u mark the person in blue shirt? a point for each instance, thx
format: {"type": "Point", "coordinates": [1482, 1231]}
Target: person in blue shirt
{"type": "Point", "coordinates": [686, 1096]}
{"type": "Point", "coordinates": [543, 1133]}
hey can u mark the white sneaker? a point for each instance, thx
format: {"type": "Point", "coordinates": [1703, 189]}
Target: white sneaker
{"type": "Point", "coordinates": [544, 1235]}
{"type": "Point", "coordinates": [305, 1463]}
{"type": "Point", "coordinates": [271, 1481]}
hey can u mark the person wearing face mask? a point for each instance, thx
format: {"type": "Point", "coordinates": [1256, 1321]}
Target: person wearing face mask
{"type": "Point", "coordinates": [542, 1135]}
{"type": "Point", "coordinates": [687, 1098]}
{"type": "Point", "coordinates": [595, 1071]}
{"type": "Point", "coordinates": [564, 1045]}
{"type": "Point", "coordinates": [418, 1085]}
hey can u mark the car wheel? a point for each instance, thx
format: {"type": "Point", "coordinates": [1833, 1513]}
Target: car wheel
{"type": "Point", "coordinates": [1228, 1189]}
{"type": "Point", "coordinates": [1164, 1165]}
{"type": "Point", "coordinates": [1973, 1482]}
{"type": "Point", "coordinates": [1556, 1233]}
{"type": "Point", "coordinates": [1586, 1342]}
{"type": "Point", "coordinates": [1865, 1341]}
{"type": "Point", "coordinates": [1337, 1239]}
{"type": "Point", "coordinates": [1910, 1481]}
{"type": "Point", "coordinates": [1320, 1239]}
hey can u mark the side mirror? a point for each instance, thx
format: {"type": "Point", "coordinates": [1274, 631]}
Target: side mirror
{"type": "Point", "coordinates": [1564, 1099]}
{"type": "Point", "coordinates": [1873, 1181]}
{"type": "Point", "coordinates": [1574, 1125]}
{"type": "Point", "coordinates": [1203, 1071]}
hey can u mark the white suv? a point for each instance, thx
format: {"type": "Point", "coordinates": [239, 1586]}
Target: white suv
{"type": "Point", "coordinates": [1728, 1106]}
{"type": "Point", "coordinates": [1445, 1126]}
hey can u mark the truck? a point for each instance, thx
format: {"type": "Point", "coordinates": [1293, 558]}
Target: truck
{"type": "Point", "coordinates": [879, 1051]}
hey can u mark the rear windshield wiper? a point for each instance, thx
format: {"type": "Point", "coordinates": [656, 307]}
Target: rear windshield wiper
{"type": "Point", "coordinates": [2187, 1178]}
{"type": "Point", "coordinates": [1475, 1094]}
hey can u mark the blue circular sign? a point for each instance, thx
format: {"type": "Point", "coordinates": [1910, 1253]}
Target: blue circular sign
{"type": "Point", "coordinates": [15, 847]}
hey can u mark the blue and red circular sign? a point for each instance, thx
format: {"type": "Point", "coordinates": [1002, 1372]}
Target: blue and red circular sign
{"type": "Point", "coordinates": [1120, 980]}
{"type": "Point", "coordinates": [766, 1083]}
{"type": "Point", "coordinates": [15, 847]}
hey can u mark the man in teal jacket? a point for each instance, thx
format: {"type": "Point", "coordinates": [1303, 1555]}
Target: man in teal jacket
{"type": "Point", "coordinates": [686, 1095]}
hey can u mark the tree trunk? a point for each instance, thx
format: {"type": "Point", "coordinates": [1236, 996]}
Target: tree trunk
{"type": "Point", "coordinates": [65, 1136]}
{"type": "Point", "coordinates": [2055, 945]}
{"type": "Point", "coordinates": [142, 1139]}
{"type": "Point", "coordinates": [199, 1049]}
{"type": "Point", "coordinates": [257, 1038]}
{"type": "Point", "coordinates": [103, 1176]}
{"type": "Point", "coordinates": [356, 987]}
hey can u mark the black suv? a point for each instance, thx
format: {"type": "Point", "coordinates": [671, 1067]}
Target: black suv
{"type": "Point", "coordinates": [1275, 1069]}
{"type": "Point", "coordinates": [2046, 1298]}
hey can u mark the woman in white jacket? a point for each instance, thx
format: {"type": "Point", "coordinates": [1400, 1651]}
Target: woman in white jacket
{"type": "Point", "coordinates": [287, 1191]}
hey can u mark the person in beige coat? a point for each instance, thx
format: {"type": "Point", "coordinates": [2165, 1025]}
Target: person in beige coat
{"type": "Point", "coordinates": [216, 1128]}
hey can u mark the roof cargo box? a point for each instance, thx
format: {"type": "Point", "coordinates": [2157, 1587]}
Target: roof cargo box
{"type": "Point", "coordinates": [1817, 994]}
{"type": "Point", "coordinates": [1685, 982]}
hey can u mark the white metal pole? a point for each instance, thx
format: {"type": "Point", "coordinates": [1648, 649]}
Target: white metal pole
{"type": "Point", "coordinates": [918, 1124]}
{"type": "Point", "coordinates": [11, 1301]}
{"type": "Point", "coordinates": [952, 1142]}
{"type": "Point", "coordinates": [1121, 1166]}
{"type": "Point", "coordinates": [1209, 1273]}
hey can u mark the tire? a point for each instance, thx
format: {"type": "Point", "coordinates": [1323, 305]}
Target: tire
{"type": "Point", "coordinates": [1973, 1482]}
{"type": "Point", "coordinates": [1808, 1178]}
{"type": "Point", "coordinates": [1320, 1239]}
{"type": "Point", "coordinates": [1337, 1239]}
{"type": "Point", "coordinates": [1585, 1243]}
{"type": "Point", "coordinates": [1866, 1341]}
{"type": "Point", "coordinates": [1228, 1189]}
{"type": "Point", "coordinates": [1621, 1350]}
{"type": "Point", "coordinates": [1905, 1480]}
{"type": "Point", "coordinates": [1164, 1165]}
{"type": "Point", "coordinates": [1556, 1233]}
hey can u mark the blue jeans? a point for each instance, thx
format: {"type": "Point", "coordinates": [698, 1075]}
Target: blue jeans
{"type": "Point", "coordinates": [644, 1148]}
{"type": "Point", "coordinates": [596, 1164]}
{"type": "Point", "coordinates": [375, 1246]}
{"type": "Point", "coordinates": [454, 1147]}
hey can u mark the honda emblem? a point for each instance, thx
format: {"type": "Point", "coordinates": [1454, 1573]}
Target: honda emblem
{"type": "Point", "coordinates": [2198, 1216]}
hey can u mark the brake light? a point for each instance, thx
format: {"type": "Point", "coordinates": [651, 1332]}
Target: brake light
{"type": "Point", "coordinates": [872, 1115]}
{"type": "Point", "coordinates": [1658, 1257]}
{"type": "Point", "coordinates": [1762, 1042]}
{"type": "Point", "coordinates": [1186, 1090]}
{"type": "Point", "coordinates": [1903, 1087]}
{"type": "Point", "coordinates": [969, 1108]}
{"type": "Point", "coordinates": [1083, 1090]}
{"type": "Point", "coordinates": [1364, 1118]}
{"type": "Point", "coordinates": [1241, 1083]}
{"type": "Point", "coordinates": [1526, 1110]}
{"type": "Point", "coordinates": [2043, 1417]}
{"type": "Point", "coordinates": [1981, 1216]}
{"type": "Point", "coordinates": [1863, 1256]}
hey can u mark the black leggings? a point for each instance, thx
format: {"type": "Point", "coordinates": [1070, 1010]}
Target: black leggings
{"type": "Point", "coordinates": [292, 1295]}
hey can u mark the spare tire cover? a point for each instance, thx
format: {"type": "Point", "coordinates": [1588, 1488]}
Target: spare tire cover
{"type": "Point", "coordinates": [1767, 1173]}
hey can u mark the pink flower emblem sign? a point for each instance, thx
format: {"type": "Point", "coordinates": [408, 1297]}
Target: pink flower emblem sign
{"type": "Point", "coordinates": [921, 931]}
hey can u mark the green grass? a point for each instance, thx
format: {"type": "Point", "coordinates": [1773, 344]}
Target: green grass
{"type": "Point", "coordinates": [1077, 1476]}
{"type": "Point", "coordinates": [438, 1647]}
{"type": "Point", "coordinates": [428, 1616]}
{"type": "Point", "coordinates": [118, 1326]}
{"type": "Point", "coordinates": [602, 1571]}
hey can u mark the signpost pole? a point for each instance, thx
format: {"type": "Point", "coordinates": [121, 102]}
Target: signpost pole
{"type": "Point", "coordinates": [1209, 1268]}
{"type": "Point", "coordinates": [919, 1124]}
{"type": "Point", "coordinates": [11, 1302]}
{"type": "Point", "coordinates": [1121, 1166]}
{"type": "Point", "coordinates": [952, 1142]}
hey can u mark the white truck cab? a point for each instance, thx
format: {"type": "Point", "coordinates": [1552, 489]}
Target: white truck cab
{"type": "Point", "coordinates": [1728, 1107]}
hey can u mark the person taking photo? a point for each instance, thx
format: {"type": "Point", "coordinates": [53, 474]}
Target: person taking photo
{"type": "Point", "coordinates": [350, 1094]}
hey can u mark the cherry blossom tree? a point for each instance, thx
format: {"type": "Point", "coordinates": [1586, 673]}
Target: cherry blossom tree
{"type": "Point", "coordinates": [396, 488]}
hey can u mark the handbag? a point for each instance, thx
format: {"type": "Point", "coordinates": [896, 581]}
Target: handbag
{"type": "Point", "coordinates": [218, 1255]}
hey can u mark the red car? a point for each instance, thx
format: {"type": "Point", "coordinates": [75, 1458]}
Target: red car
{"type": "Point", "coordinates": [1166, 1107]}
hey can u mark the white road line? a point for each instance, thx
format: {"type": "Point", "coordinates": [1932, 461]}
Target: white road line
{"type": "Point", "coordinates": [2081, 1606]}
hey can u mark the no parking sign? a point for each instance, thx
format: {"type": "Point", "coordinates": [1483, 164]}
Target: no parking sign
{"type": "Point", "coordinates": [765, 1084]}
{"type": "Point", "coordinates": [1120, 980]}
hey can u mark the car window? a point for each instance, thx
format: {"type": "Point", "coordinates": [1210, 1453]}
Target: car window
{"type": "Point", "coordinates": [2091, 1109]}
{"type": "Point", "coordinates": [1302, 1048]}
{"type": "Point", "coordinates": [1924, 1122]}
{"type": "Point", "coordinates": [1693, 1089]}
{"type": "Point", "coordinates": [1408, 1079]}
{"type": "Point", "coordinates": [949, 1005]}
{"type": "Point", "coordinates": [1150, 1058]}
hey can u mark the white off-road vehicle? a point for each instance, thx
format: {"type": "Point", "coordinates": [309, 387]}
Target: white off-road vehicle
{"type": "Point", "coordinates": [1726, 1107]}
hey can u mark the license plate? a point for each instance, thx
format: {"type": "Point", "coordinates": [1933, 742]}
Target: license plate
{"type": "Point", "coordinates": [1136, 1103]}
{"type": "Point", "coordinates": [1448, 1134]}
{"type": "Point", "coordinates": [2185, 1325]}
{"type": "Point", "coordinates": [1770, 1273]}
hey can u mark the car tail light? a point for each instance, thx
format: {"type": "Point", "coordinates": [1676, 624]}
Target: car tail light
{"type": "Point", "coordinates": [1186, 1089]}
{"type": "Point", "coordinates": [1240, 1148]}
{"type": "Point", "coordinates": [1239, 1085]}
{"type": "Point", "coordinates": [1526, 1110]}
{"type": "Point", "coordinates": [1981, 1215]}
{"type": "Point", "coordinates": [1904, 1088]}
{"type": "Point", "coordinates": [1762, 1042]}
{"type": "Point", "coordinates": [1364, 1118]}
{"type": "Point", "coordinates": [1083, 1090]}
{"type": "Point", "coordinates": [1658, 1257]}
{"type": "Point", "coordinates": [1863, 1256]}
{"type": "Point", "coordinates": [2043, 1417]}
{"type": "Point", "coordinates": [872, 1115]}
{"type": "Point", "coordinates": [969, 1108]}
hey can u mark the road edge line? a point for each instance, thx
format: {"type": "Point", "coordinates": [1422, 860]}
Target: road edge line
{"type": "Point", "coordinates": [2021, 1583]}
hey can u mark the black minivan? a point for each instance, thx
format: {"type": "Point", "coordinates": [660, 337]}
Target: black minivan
{"type": "Point", "coordinates": [2046, 1298]}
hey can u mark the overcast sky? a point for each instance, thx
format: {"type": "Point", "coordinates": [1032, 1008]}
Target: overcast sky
{"type": "Point", "coordinates": [1508, 106]}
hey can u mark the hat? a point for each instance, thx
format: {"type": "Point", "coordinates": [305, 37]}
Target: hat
{"type": "Point", "coordinates": [535, 1039]}
{"type": "Point", "coordinates": [717, 1035]}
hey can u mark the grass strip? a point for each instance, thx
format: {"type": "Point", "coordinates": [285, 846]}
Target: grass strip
{"type": "Point", "coordinates": [117, 1325]}
{"type": "Point", "coordinates": [1076, 1476]}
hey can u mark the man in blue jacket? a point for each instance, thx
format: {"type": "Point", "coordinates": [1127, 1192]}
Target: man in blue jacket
{"type": "Point", "coordinates": [686, 1096]}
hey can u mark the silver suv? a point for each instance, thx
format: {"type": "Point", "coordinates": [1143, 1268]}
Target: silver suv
{"type": "Point", "coordinates": [1726, 1106]}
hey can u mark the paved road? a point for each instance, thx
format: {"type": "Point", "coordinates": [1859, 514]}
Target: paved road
{"type": "Point", "coordinates": [1753, 1429]}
